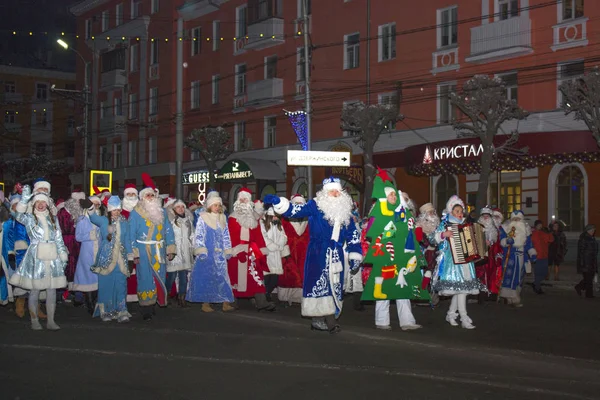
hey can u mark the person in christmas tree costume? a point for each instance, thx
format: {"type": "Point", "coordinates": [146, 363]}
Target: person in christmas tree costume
{"type": "Point", "coordinates": [395, 255]}
{"type": "Point", "coordinates": [450, 279]}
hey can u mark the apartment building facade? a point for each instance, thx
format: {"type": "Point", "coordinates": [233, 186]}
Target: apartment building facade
{"type": "Point", "coordinates": [242, 66]}
{"type": "Point", "coordinates": [37, 121]}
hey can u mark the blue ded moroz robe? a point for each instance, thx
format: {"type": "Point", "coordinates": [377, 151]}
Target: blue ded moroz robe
{"type": "Point", "coordinates": [324, 267]}
{"type": "Point", "coordinates": [151, 243]}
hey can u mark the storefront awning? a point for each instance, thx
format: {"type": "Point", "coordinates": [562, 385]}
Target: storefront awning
{"type": "Point", "coordinates": [248, 169]}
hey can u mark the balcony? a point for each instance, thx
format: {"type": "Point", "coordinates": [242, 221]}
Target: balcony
{"type": "Point", "coordinates": [199, 8]}
{"type": "Point", "coordinates": [444, 60]}
{"type": "Point", "coordinates": [265, 33]}
{"type": "Point", "coordinates": [13, 128]}
{"type": "Point", "coordinates": [570, 33]}
{"type": "Point", "coordinates": [265, 93]}
{"type": "Point", "coordinates": [110, 80]}
{"type": "Point", "coordinates": [11, 98]}
{"type": "Point", "coordinates": [135, 28]}
{"type": "Point", "coordinates": [239, 102]}
{"type": "Point", "coordinates": [113, 125]}
{"type": "Point", "coordinates": [501, 40]}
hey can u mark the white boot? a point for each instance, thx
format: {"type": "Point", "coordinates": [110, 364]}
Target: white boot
{"type": "Point", "coordinates": [51, 325]}
{"type": "Point", "coordinates": [32, 304]}
{"type": "Point", "coordinates": [452, 312]}
{"type": "Point", "coordinates": [465, 321]}
{"type": "Point", "coordinates": [35, 323]}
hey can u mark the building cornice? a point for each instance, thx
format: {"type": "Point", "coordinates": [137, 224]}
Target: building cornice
{"type": "Point", "coordinates": [37, 73]}
{"type": "Point", "coordinates": [85, 6]}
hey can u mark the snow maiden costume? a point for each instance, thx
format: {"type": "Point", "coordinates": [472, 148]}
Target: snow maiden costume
{"type": "Point", "coordinates": [331, 226]}
{"type": "Point", "coordinates": [515, 239]}
{"type": "Point", "coordinates": [180, 266]}
{"type": "Point", "coordinates": [450, 279]}
{"type": "Point", "coordinates": [209, 279]}
{"type": "Point", "coordinates": [152, 242]}
{"type": "Point", "coordinates": [111, 264]}
{"type": "Point", "coordinates": [88, 235]}
{"type": "Point", "coordinates": [44, 263]}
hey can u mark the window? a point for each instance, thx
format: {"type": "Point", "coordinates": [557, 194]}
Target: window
{"type": "Point", "coordinates": [152, 150]}
{"type": "Point", "coordinates": [103, 110]}
{"type": "Point", "coordinates": [153, 101]}
{"type": "Point", "coordinates": [215, 88]}
{"type": "Point", "coordinates": [134, 57]}
{"type": "Point", "coordinates": [133, 106]}
{"type": "Point", "coordinates": [40, 148]}
{"type": "Point", "coordinates": [88, 28]}
{"type": "Point", "coordinates": [351, 51]}
{"type": "Point", "coordinates": [113, 60]}
{"type": "Point", "coordinates": [154, 6]}
{"type": "Point", "coordinates": [301, 64]}
{"type": "Point", "coordinates": [104, 21]}
{"type": "Point", "coordinates": [390, 99]}
{"type": "Point", "coordinates": [10, 117]}
{"type": "Point", "coordinates": [270, 131]}
{"type": "Point", "coordinates": [118, 155]}
{"type": "Point", "coordinates": [508, 9]}
{"type": "Point", "coordinates": [216, 35]}
{"type": "Point", "coordinates": [136, 9]}
{"type": "Point", "coordinates": [70, 125]}
{"type": "Point", "coordinates": [196, 41]}
{"type": "Point", "coordinates": [132, 153]}
{"type": "Point", "coordinates": [119, 14]}
{"type": "Point", "coordinates": [194, 155]}
{"type": "Point", "coordinates": [118, 104]}
{"type": "Point", "coordinates": [270, 67]}
{"type": "Point", "coordinates": [41, 91]}
{"type": "Point", "coordinates": [448, 27]}
{"type": "Point", "coordinates": [260, 10]}
{"type": "Point", "coordinates": [195, 100]}
{"type": "Point", "coordinates": [570, 198]}
{"type": "Point", "coordinates": [510, 81]}
{"type": "Point", "coordinates": [240, 140]}
{"type": "Point", "coordinates": [444, 188]}
{"type": "Point", "coordinates": [9, 87]}
{"type": "Point", "coordinates": [104, 157]}
{"type": "Point", "coordinates": [569, 71]}
{"type": "Point", "coordinates": [241, 21]}
{"type": "Point", "coordinates": [446, 111]}
{"type": "Point", "coordinates": [41, 117]}
{"type": "Point", "coordinates": [572, 9]}
{"type": "Point", "coordinates": [387, 42]}
{"type": "Point", "coordinates": [240, 79]}
{"type": "Point", "coordinates": [154, 52]}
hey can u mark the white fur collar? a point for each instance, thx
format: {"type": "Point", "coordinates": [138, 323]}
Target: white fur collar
{"type": "Point", "coordinates": [299, 227]}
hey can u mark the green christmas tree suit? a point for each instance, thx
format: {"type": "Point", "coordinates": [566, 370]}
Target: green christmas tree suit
{"type": "Point", "coordinates": [396, 274]}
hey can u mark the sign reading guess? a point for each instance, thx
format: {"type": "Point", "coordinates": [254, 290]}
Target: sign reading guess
{"type": "Point", "coordinates": [452, 152]}
{"type": "Point", "coordinates": [195, 177]}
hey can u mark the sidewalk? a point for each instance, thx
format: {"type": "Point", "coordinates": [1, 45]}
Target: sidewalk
{"type": "Point", "coordinates": [568, 278]}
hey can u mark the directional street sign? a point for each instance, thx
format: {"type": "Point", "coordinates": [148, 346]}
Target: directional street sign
{"type": "Point", "coordinates": [318, 158]}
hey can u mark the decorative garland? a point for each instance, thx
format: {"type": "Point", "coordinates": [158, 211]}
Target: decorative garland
{"type": "Point", "coordinates": [502, 162]}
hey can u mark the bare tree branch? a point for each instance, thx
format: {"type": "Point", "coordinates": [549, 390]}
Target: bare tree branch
{"type": "Point", "coordinates": [213, 143]}
{"type": "Point", "coordinates": [36, 166]}
{"type": "Point", "coordinates": [581, 96]}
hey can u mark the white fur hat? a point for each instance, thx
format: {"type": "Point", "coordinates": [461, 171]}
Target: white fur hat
{"type": "Point", "coordinates": [40, 197]}
{"type": "Point", "coordinates": [41, 184]}
{"type": "Point", "coordinates": [497, 213]}
{"type": "Point", "coordinates": [15, 199]}
{"type": "Point", "coordinates": [271, 211]}
{"type": "Point", "coordinates": [517, 214]}
{"type": "Point", "coordinates": [332, 183]}
{"type": "Point", "coordinates": [95, 198]}
{"type": "Point", "coordinates": [78, 195]}
{"type": "Point", "coordinates": [245, 193]}
{"type": "Point", "coordinates": [387, 190]}
{"type": "Point", "coordinates": [425, 208]}
{"type": "Point", "coordinates": [212, 200]}
{"type": "Point", "coordinates": [169, 201]}
{"type": "Point", "coordinates": [298, 199]}
{"type": "Point", "coordinates": [486, 210]}
{"type": "Point", "coordinates": [453, 202]}
{"type": "Point", "coordinates": [130, 188]}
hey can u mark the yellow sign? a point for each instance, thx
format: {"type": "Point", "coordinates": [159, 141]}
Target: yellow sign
{"type": "Point", "coordinates": [2, 186]}
{"type": "Point", "coordinates": [101, 179]}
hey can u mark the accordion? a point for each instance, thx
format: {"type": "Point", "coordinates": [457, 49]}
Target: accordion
{"type": "Point", "coordinates": [468, 243]}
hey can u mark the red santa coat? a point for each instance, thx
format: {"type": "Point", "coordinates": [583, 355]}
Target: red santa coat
{"type": "Point", "coordinates": [293, 266]}
{"type": "Point", "coordinates": [489, 270]}
{"type": "Point", "coordinates": [67, 227]}
{"type": "Point", "coordinates": [247, 266]}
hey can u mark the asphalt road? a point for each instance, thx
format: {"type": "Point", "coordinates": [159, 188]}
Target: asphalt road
{"type": "Point", "coordinates": [549, 349]}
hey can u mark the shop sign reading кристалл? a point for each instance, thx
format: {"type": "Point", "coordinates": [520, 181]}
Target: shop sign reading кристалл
{"type": "Point", "coordinates": [452, 152]}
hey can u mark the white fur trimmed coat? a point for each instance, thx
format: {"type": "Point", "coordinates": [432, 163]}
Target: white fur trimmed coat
{"type": "Point", "coordinates": [276, 241]}
{"type": "Point", "coordinates": [183, 229]}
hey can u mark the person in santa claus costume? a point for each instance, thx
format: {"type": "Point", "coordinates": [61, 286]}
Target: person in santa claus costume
{"type": "Point", "coordinates": [427, 222]}
{"type": "Point", "coordinates": [491, 266]}
{"type": "Point", "coordinates": [289, 288]}
{"type": "Point", "coordinates": [450, 279]}
{"type": "Point", "coordinates": [130, 200]}
{"type": "Point", "coordinates": [153, 243]}
{"type": "Point", "coordinates": [515, 239]}
{"type": "Point", "coordinates": [248, 263]}
{"type": "Point", "coordinates": [67, 219]}
{"type": "Point", "coordinates": [331, 226]}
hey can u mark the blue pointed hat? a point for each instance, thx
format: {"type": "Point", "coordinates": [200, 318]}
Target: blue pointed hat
{"type": "Point", "coordinates": [114, 203]}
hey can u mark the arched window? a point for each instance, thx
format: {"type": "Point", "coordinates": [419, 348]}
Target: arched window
{"type": "Point", "coordinates": [444, 188]}
{"type": "Point", "coordinates": [268, 189]}
{"type": "Point", "coordinates": [300, 187]}
{"type": "Point", "coordinates": [570, 198]}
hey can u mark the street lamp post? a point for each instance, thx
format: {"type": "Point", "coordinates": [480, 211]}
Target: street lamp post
{"type": "Point", "coordinates": [86, 111]}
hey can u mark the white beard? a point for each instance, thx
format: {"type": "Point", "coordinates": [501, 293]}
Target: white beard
{"type": "Point", "coordinates": [335, 209]}
{"type": "Point", "coordinates": [129, 203]}
{"type": "Point", "coordinates": [244, 214]}
{"type": "Point", "coordinates": [72, 206]}
{"type": "Point", "coordinates": [299, 225]}
{"type": "Point", "coordinates": [153, 210]}
{"type": "Point", "coordinates": [429, 223]}
{"type": "Point", "coordinates": [489, 227]}
{"type": "Point", "coordinates": [498, 221]}
{"type": "Point", "coordinates": [522, 231]}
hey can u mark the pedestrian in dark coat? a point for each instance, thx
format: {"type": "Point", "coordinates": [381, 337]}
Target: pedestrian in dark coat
{"type": "Point", "coordinates": [558, 248]}
{"type": "Point", "coordinates": [587, 261]}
